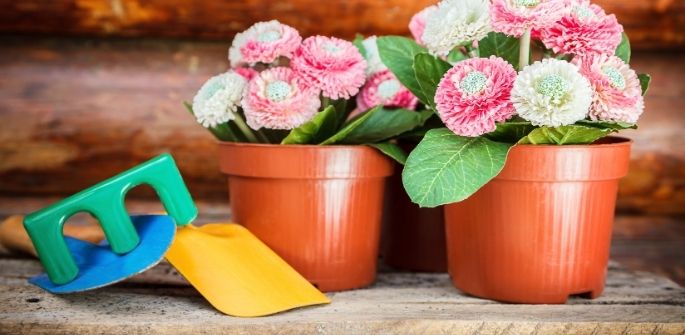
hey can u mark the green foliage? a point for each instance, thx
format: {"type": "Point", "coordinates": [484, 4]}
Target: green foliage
{"type": "Point", "coordinates": [645, 79]}
{"type": "Point", "coordinates": [339, 136]}
{"type": "Point", "coordinates": [222, 132]}
{"type": "Point", "coordinates": [385, 124]}
{"type": "Point", "coordinates": [455, 56]}
{"type": "Point", "coordinates": [623, 49]}
{"type": "Point", "coordinates": [500, 45]}
{"type": "Point", "coordinates": [391, 150]}
{"type": "Point", "coordinates": [446, 168]}
{"type": "Point", "coordinates": [358, 39]}
{"type": "Point", "coordinates": [397, 53]}
{"type": "Point", "coordinates": [429, 71]}
{"type": "Point", "coordinates": [511, 131]}
{"type": "Point", "coordinates": [571, 134]}
{"type": "Point", "coordinates": [319, 128]}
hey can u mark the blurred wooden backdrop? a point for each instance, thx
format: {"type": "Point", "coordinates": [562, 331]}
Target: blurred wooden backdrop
{"type": "Point", "coordinates": [91, 87]}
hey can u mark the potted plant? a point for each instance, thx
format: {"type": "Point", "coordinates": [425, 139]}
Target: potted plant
{"type": "Point", "coordinates": [305, 133]}
{"type": "Point", "coordinates": [523, 163]}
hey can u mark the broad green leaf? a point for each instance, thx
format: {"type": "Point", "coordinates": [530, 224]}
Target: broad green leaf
{"type": "Point", "coordinates": [320, 127]}
{"type": "Point", "coordinates": [358, 39]}
{"type": "Point", "coordinates": [623, 49]}
{"type": "Point", "coordinates": [397, 53]}
{"type": "Point", "coordinates": [500, 45]}
{"type": "Point", "coordinates": [384, 124]}
{"type": "Point", "coordinates": [349, 127]}
{"type": "Point", "coordinates": [429, 71]}
{"type": "Point", "coordinates": [392, 150]}
{"type": "Point", "coordinates": [511, 131]}
{"type": "Point", "coordinates": [446, 168]}
{"type": "Point", "coordinates": [645, 79]}
{"type": "Point", "coordinates": [455, 56]}
{"type": "Point", "coordinates": [222, 132]}
{"type": "Point", "coordinates": [571, 134]}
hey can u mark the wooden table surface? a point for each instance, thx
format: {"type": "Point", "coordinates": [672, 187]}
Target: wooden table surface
{"type": "Point", "coordinates": [161, 302]}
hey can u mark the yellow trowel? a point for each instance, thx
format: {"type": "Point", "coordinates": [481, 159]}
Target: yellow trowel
{"type": "Point", "coordinates": [237, 273]}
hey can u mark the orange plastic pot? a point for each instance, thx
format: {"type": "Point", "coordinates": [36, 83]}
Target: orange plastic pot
{"type": "Point", "coordinates": [541, 230]}
{"type": "Point", "coordinates": [318, 207]}
{"type": "Point", "coordinates": [413, 237]}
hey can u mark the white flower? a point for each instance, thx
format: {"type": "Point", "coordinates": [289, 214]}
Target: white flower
{"type": "Point", "coordinates": [373, 59]}
{"type": "Point", "coordinates": [454, 23]}
{"type": "Point", "coordinates": [235, 57]}
{"type": "Point", "coordinates": [551, 93]}
{"type": "Point", "coordinates": [218, 99]}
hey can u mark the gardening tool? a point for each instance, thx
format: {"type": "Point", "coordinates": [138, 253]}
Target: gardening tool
{"type": "Point", "coordinates": [237, 273]}
{"type": "Point", "coordinates": [105, 201]}
{"type": "Point", "coordinates": [230, 267]}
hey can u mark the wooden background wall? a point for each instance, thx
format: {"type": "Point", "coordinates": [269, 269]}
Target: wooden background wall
{"type": "Point", "coordinates": [91, 87]}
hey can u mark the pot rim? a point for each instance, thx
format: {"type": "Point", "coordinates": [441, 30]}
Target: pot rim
{"type": "Point", "coordinates": [307, 146]}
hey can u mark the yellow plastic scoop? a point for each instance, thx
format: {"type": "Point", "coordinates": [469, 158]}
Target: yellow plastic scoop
{"type": "Point", "coordinates": [237, 273]}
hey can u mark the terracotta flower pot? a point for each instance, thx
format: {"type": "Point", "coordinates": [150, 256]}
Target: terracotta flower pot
{"type": "Point", "coordinates": [413, 237]}
{"type": "Point", "coordinates": [540, 231]}
{"type": "Point", "coordinates": [318, 207]}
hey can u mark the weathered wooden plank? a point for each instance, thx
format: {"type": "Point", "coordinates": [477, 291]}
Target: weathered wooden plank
{"type": "Point", "coordinates": [397, 303]}
{"type": "Point", "coordinates": [78, 111]}
{"type": "Point", "coordinates": [649, 23]}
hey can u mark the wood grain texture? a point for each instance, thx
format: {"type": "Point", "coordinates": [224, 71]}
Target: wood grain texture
{"type": "Point", "coordinates": [77, 111]}
{"type": "Point", "coordinates": [398, 303]}
{"type": "Point", "coordinates": [649, 23]}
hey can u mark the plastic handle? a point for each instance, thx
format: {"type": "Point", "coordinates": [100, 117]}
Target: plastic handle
{"type": "Point", "coordinates": [105, 201]}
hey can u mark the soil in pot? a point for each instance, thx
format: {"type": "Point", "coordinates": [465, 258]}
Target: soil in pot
{"type": "Point", "coordinates": [540, 231]}
{"type": "Point", "coordinates": [318, 207]}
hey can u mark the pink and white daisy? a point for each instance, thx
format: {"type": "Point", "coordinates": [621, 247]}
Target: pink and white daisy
{"type": "Point", "coordinates": [514, 17]}
{"type": "Point", "coordinates": [384, 89]}
{"type": "Point", "coordinates": [278, 99]}
{"type": "Point", "coordinates": [585, 29]}
{"type": "Point", "coordinates": [417, 24]}
{"type": "Point", "coordinates": [373, 59]}
{"type": "Point", "coordinates": [474, 94]}
{"type": "Point", "coordinates": [551, 93]}
{"type": "Point", "coordinates": [454, 23]}
{"type": "Point", "coordinates": [617, 94]}
{"type": "Point", "coordinates": [331, 65]}
{"type": "Point", "coordinates": [263, 42]}
{"type": "Point", "coordinates": [247, 72]}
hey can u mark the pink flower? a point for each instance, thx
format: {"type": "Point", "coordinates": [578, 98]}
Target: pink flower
{"type": "Point", "coordinates": [331, 65]}
{"type": "Point", "coordinates": [247, 72]}
{"type": "Point", "coordinates": [585, 29]}
{"type": "Point", "coordinates": [418, 23]}
{"type": "Point", "coordinates": [474, 94]}
{"type": "Point", "coordinates": [514, 17]}
{"type": "Point", "coordinates": [383, 88]}
{"type": "Point", "coordinates": [263, 42]}
{"type": "Point", "coordinates": [617, 94]}
{"type": "Point", "coordinates": [278, 99]}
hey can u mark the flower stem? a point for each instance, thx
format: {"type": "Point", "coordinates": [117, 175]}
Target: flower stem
{"type": "Point", "coordinates": [262, 136]}
{"type": "Point", "coordinates": [524, 50]}
{"type": "Point", "coordinates": [244, 128]}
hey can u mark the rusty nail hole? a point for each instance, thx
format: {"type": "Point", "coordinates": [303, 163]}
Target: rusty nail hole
{"type": "Point", "coordinates": [33, 300]}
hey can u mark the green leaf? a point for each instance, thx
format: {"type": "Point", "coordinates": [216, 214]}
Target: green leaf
{"type": "Point", "coordinates": [384, 124]}
{"type": "Point", "coordinates": [392, 150]}
{"type": "Point", "coordinates": [397, 53]}
{"type": "Point", "coordinates": [322, 126]}
{"type": "Point", "coordinates": [500, 45]}
{"type": "Point", "coordinates": [446, 168]}
{"type": "Point", "coordinates": [645, 79]}
{"type": "Point", "coordinates": [609, 125]}
{"type": "Point", "coordinates": [511, 131]}
{"type": "Point", "coordinates": [347, 129]}
{"type": "Point", "coordinates": [455, 56]}
{"type": "Point", "coordinates": [358, 39]}
{"type": "Point", "coordinates": [623, 49]}
{"type": "Point", "coordinates": [222, 132]}
{"type": "Point", "coordinates": [429, 71]}
{"type": "Point", "coordinates": [571, 134]}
